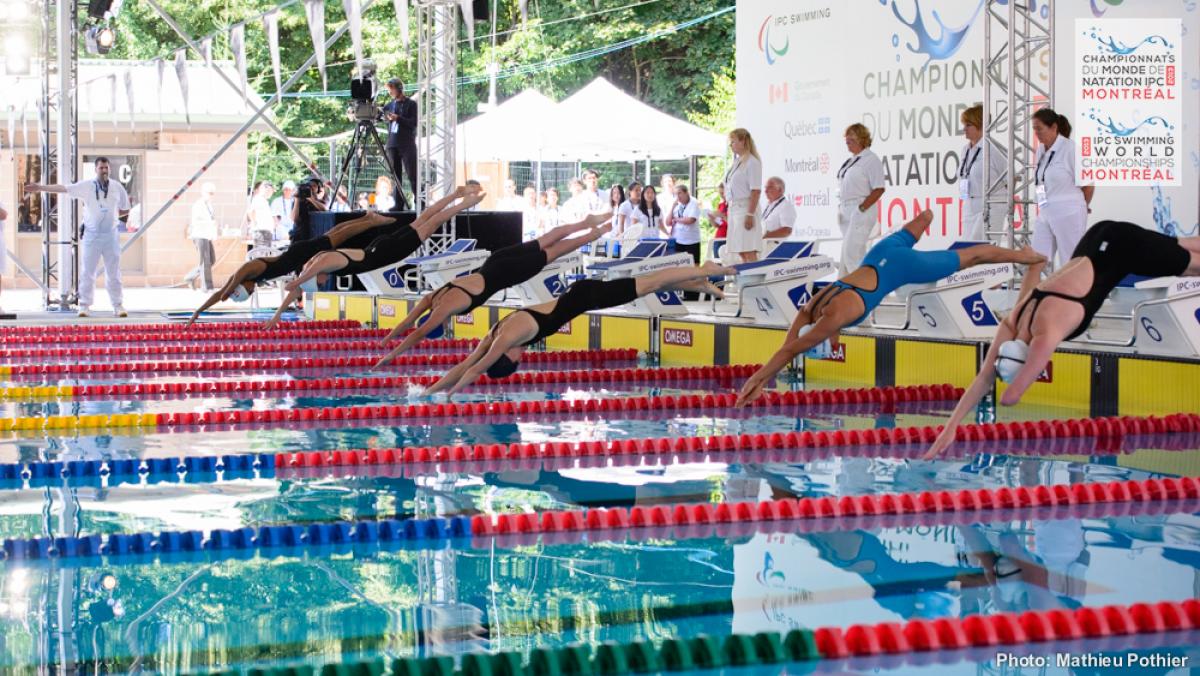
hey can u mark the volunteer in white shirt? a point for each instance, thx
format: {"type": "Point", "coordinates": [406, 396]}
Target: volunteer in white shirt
{"type": "Point", "coordinates": [591, 192]}
{"type": "Point", "coordinates": [779, 214]}
{"type": "Point", "coordinates": [683, 225]}
{"type": "Point", "coordinates": [625, 213]}
{"type": "Point", "coordinates": [202, 230]}
{"type": "Point", "coordinates": [281, 210]}
{"type": "Point", "coordinates": [860, 185]}
{"type": "Point", "coordinates": [529, 213]}
{"type": "Point", "coordinates": [743, 187]}
{"type": "Point", "coordinates": [666, 194]}
{"type": "Point", "coordinates": [971, 187]}
{"type": "Point", "coordinates": [550, 216]}
{"type": "Point", "coordinates": [1062, 205]}
{"type": "Point", "coordinates": [258, 216]}
{"type": "Point", "coordinates": [104, 202]}
{"type": "Point", "coordinates": [575, 208]}
{"type": "Point", "coordinates": [510, 201]}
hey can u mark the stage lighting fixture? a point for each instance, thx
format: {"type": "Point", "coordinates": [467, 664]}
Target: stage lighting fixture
{"type": "Point", "coordinates": [100, 39]}
{"type": "Point", "coordinates": [16, 55]}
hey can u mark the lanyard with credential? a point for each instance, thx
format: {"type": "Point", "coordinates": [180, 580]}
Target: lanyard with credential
{"type": "Point", "coordinates": [846, 166]}
{"type": "Point", "coordinates": [1042, 168]}
{"type": "Point", "coordinates": [967, 166]}
{"type": "Point", "coordinates": [96, 185]}
{"type": "Point", "coordinates": [732, 170]}
{"type": "Point", "coordinates": [771, 208]}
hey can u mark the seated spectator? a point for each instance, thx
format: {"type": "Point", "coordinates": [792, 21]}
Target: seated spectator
{"type": "Point", "coordinates": [779, 214]}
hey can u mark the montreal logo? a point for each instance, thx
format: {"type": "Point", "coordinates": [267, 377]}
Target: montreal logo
{"type": "Point", "coordinates": [680, 337]}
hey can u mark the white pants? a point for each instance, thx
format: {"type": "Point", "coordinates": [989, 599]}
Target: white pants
{"type": "Point", "coordinates": [1058, 229]}
{"type": "Point", "coordinates": [95, 248]}
{"type": "Point", "coordinates": [738, 239]}
{"type": "Point", "coordinates": [857, 229]}
{"type": "Point", "coordinates": [972, 227]}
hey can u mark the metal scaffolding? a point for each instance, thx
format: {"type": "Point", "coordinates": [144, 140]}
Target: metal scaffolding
{"type": "Point", "coordinates": [1018, 42]}
{"type": "Point", "coordinates": [59, 151]}
{"type": "Point", "coordinates": [437, 109]}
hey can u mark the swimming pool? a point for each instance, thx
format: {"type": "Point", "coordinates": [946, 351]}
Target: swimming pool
{"type": "Point", "coordinates": [548, 514]}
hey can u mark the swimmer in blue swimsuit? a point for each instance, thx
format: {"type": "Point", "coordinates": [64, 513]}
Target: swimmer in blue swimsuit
{"type": "Point", "coordinates": [889, 265]}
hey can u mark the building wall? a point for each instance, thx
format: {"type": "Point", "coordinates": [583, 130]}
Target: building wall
{"type": "Point", "coordinates": [164, 255]}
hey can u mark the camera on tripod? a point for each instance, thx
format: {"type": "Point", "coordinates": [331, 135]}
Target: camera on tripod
{"type": "Point", "coordinates": [363, 90]}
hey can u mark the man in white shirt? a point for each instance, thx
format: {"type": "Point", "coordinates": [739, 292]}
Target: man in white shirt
{"type": "Point", "coordinates": [779, 214]}
{"type": "Point", "coordinates": [202, 230]}
{"type": "Point", "coordinates": [104, 202]}
{"type": "Point", "coordinates": [509, 201]}
{"type": "Point", "coordinates": [597, 203]}
{"type": "Point", "coordinates": [281, 210]}
{"type": "Point", "coordinates": [576, 206]}
{"type": "Point", "coordinates": [259, 218]}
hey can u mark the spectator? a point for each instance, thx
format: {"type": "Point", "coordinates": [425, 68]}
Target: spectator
{"type": "Point", "coordinates": [683, 225]}
{"type": "Point", "coordinates": [666, 194]}
{"type": "Point", "coordinates": [575, 207]}
{"type": "Point", "coordinates": [551, 214]}
{"type": "Point", "coordinates": [310, 198]}
{"type": "Point", "coordinates": [616, 198]}
{"type": "Point", "coordinates": [401, 114]}
{"type": "Point", "coordinates": [384, 201]}
{"type": "Point", "coordinates": [260, 222]}
{"type": "Point", "coordinates": [626, 215]}
{"type": "Point", "coordinates": [509, 200]}
{"type": "Point", "coordinates": [529, 212]}
{"type": "Point", "coordinates": [281, 209]}
{"type": "Point", "coordinates": [591, 192]}
{"type": "Point", "coordinates": [363, 202]}
{"type": "Point", "coordinates": [202, 230]}
{"type": "Point", "coordinates": [652, 215]}
{"type": "Point", "coordinates": [779, 214]}
{"type": "Point", "coordinates": [719, 218]}
{"type": "Point", "coordinates": [341, 203]}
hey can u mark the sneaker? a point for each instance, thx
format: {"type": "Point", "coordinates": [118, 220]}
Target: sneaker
{"type": "Point", "coordinates": [85, 312]}
{"type": "Point", "coordinates": [120, 311]}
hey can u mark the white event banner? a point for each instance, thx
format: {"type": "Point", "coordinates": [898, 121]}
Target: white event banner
{"type": "Point", "coordinates": [1128, 102]}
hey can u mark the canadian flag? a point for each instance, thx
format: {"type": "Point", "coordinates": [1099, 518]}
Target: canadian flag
{"type": "Point", "coordinates": [777, 92]}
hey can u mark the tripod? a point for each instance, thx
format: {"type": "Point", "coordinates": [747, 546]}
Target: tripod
{"type": "Point", "coordinates": [364, 133]}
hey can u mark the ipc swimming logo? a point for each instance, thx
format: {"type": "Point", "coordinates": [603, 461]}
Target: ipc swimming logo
{"type": "Point", "coordinates": [764, 42]}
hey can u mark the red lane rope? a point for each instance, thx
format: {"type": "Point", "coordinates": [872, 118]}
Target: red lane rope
{"type": "Point", "coordinates": [78, 329]}
{"type": "Point", "coordinates": [247, 345]}
{"type": "Point", "coordinates": [69, 370]}
{"type": "Point", "coordinates": [132, 335]}
{"type": "Point", "coordinates": [727, 375]}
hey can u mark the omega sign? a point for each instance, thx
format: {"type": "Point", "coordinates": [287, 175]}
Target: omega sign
{"type": "Point", "coordinates": [468, 318]}
{"type": "Point", "coordinates": [680, 337]}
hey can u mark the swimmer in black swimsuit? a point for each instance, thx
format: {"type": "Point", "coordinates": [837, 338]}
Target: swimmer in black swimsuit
{"type": "Point", "coordinates": [385, 249]}
{"type": "Point", "coordinates": [499, 353]}
{"type": "Point", "coordinates": [240, 285]}
{"type": "Point", "coordinates": [1027, 338]}
{"type": "Point", "coordinates": [508, 267]}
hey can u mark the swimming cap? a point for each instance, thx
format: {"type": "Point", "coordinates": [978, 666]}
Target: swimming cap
{"type": "Point", "coordinates": [1011, 359]}
{"type": "Point", "coordinates": [309, 285]}
{"type": "Point", "coordinates": [239, 294]}
{"type": "Point", "coordinates": [503, 368]}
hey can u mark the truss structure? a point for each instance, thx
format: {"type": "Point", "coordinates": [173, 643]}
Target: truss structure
{"type": "Point", "coordinates": [437, 109]}
{"type": "Point", "coordinates": [1018, 79]}
{"type": "Point", "coordinates": [59, 112]}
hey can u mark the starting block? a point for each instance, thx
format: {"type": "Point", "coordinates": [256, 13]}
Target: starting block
{"type": "Point", "coordinates": [953, 307]}
{"type": "Point", "coordinates": [1165, 314]}
{"type": "Point", "coordinates": [460, 258]}
{"type": "Point", "coordinates": [551, 281]}
{"type": "Point", "coordinates": [771, 290]}
{"type": "Point", "coordinates": [648, 255]}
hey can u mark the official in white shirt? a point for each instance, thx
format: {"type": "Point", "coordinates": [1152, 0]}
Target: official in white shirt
{"type": "Point", "coordinates": [971, 187]}
{"type": "Point", "coordinates": [281, 210]}
{"type": "Point", "coordinates": [743, 187]}
{"type": "Point", "coordinates": [860, 185]}
{"type": "Point", "coordinates": [202, 230]}
{"type": "Point", "coordinates": [779, 213]}
{"type": "Point", "coordinates": [104, 202]}
{"type": "Point", "coordinates": [1062, 205]}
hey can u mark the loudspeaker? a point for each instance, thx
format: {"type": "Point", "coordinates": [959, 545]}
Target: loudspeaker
{"type": "Point", "coordinates": [483, 9]}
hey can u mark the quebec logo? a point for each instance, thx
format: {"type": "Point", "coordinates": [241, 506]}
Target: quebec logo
{"type": "Point", "coordinates": [764, 42]}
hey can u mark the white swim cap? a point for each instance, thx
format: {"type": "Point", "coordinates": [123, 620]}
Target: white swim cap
{"type": "Point", "coordinates": [309, 285]}
{"type": "Point", "coordinates": [1011, 359]}
{"type": "Point", "coordinates": [240, 294]}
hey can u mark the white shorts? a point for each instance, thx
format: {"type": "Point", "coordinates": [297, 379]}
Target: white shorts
{"type": "Point", "coordinates": [739, 239]}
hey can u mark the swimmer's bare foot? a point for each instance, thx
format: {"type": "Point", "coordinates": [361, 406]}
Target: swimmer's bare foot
{"type": "Point", "coordinates": [471, 199]}
{"type": "Point", "coordinates": [594, 220]}
{"type": "Point", "coordinates": [603, 230]}
{"type": "Point", "coordinates": [714, 290]}
{"type": "Point", "coordinates": [1030, 257]}
{"type": "Point", "coordinates": [713, 268]}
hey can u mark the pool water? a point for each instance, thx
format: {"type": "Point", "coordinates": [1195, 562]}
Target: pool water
{"type": "Point", "coordinates": [191, 613]}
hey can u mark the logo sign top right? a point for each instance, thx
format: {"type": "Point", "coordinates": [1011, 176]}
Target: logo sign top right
{"type": "Point", "coordinates": [1128, 102]}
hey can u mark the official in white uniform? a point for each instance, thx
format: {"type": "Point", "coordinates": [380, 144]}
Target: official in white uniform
{"type": "Point", "coordinates": [971, 187]}
{"type": "Point", "coordinates": [743, 188]}
{"type": "Point", "coordinates": [860, 185]}
{"type": "Point", "coordinates": [104, 202]}
{"type": "Point", "coordinates": [779, 213]}
{"type": "Point", "coordinates": [1062, 205]}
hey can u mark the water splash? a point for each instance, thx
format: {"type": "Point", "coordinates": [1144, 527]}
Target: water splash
{"type": "Point", "coordinates": [1114, 128]}
{"type": "Point", "coordinates": [1114, 46]}
{"type": "Point", "coordinates": [1163, 220]}
{"type": "Point", "coordinates": [948, 40]}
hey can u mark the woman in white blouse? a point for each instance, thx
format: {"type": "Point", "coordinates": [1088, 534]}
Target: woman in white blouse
{"type": "Point", "coordinates": [1062, 205]}
{"type": "Point", "coordinates": [860, 185]}
{"type": "Point", "coordinates": [971, 187]}
{"type": "Point", "coordinates": [743, 188]}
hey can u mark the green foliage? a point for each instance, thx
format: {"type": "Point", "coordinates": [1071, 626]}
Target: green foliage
{"type": "Point", "coordinates": [688, 73]}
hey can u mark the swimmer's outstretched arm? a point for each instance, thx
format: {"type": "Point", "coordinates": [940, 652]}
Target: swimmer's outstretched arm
{"type": "Point", "coordinates": [795, 345]}
{"type": "Point", "coordinates": [437, 317]}
{"type": "Point", "coordinates": [503, 341]}
{"type": "Point", "coordinates": [455, 375]}
{"type": "Point", "coordinates": [291, 297]}
{"type": "Point", "coordinates": [979, 387]}
{"type": "Point", "coordinates": [409, 320]}
{"type": "Point", "coordinates": [243, 273]}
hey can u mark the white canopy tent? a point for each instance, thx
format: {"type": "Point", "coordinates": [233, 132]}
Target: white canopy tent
{"type": "Point", "coordinates": [597, 123]}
